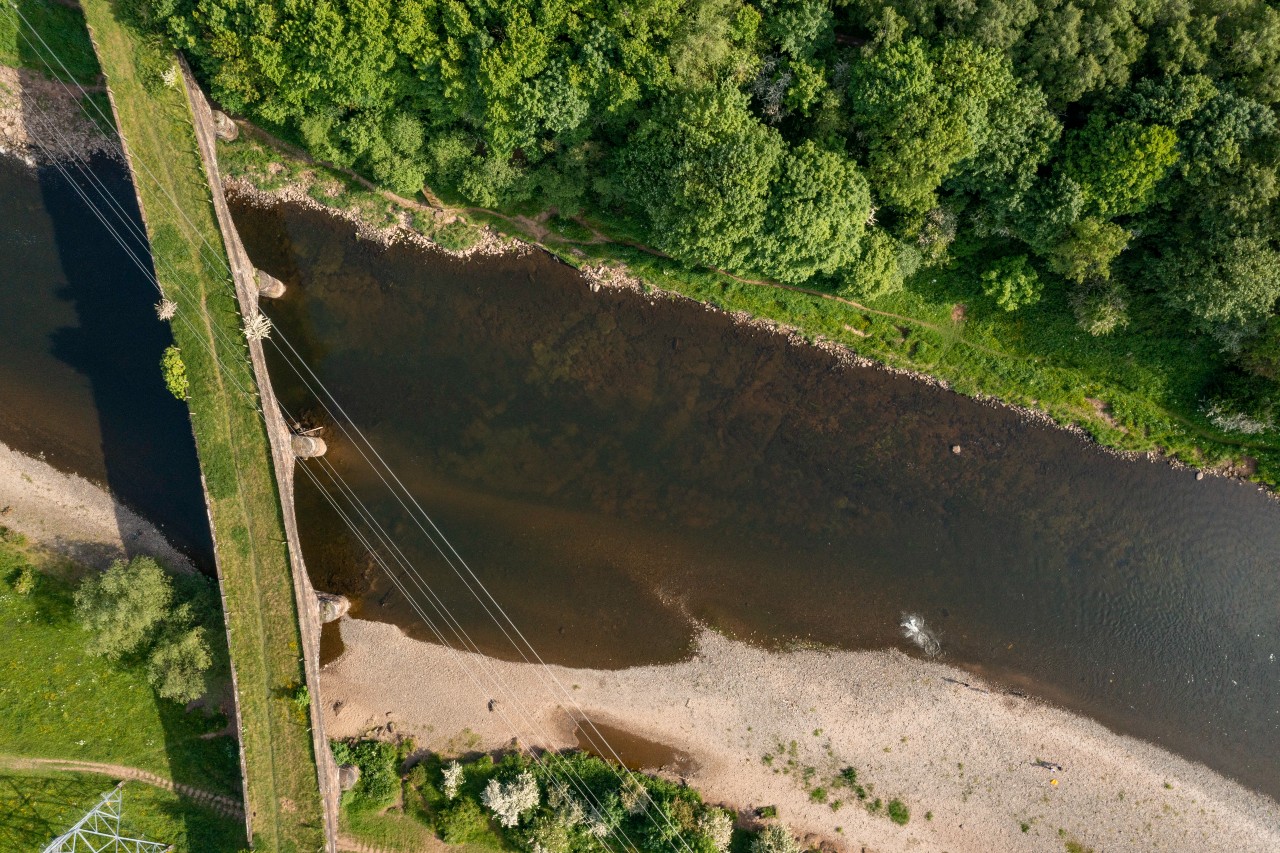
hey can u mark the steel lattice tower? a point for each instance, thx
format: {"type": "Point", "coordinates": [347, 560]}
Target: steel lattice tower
{"type": "Point", "coordinates": [99, 832]}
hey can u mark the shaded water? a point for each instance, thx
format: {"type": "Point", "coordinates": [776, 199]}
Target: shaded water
{"type": "Point", "coordinates": [630, 750]}
{"type": "Point", "coordinates": [80, 382]}
{"type": "Point", "coordinates": [612, 465]}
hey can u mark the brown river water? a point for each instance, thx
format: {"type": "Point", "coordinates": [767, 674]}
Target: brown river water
{"type": "Point", "coordinates": [614, 467]}
{"type": "Point", "coordinates": [80, 346]}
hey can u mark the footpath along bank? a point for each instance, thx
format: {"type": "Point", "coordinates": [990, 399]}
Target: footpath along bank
{"type": "Point", "coordinates": [289, 788]}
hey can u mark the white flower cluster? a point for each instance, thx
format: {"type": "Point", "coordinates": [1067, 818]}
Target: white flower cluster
{"type": "Point", "coordinates": [166, 309]}
{"type": "Point", "coordinates": [257, 327]}
{"type": "Point", "coordinates": [452, 779]}
{"type": "Point", "coordinates": [1239, 422]}
{"type": "Point", "coordinates": [717, 826]}
{"type": "Point", "coordinates": [512, 798]}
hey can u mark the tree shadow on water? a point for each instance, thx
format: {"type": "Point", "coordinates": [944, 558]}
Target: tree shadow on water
{"type": "Point", "coordinates": [146, 441]}
{"type": "Point", "coordinates": [147, 446]}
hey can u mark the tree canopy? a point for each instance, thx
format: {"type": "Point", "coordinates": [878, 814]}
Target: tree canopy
{"type": "Point", "coordinates": [135, 616]}
{"type": "Point", "coordinates": [1117, 142]}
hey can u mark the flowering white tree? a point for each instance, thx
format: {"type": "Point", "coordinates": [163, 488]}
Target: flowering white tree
{"type": "Point", "coordinates": [512, 798]}
{"type": "Point", "coordinates": [717, 826]}
{"type": "Point", "coordinates": [452, 779]}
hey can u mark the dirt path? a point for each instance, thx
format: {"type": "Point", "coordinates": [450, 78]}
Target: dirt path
{"type": "Point", "coordinates": [223, 805]}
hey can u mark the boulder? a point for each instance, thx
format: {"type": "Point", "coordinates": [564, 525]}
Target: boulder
{"type": "Point", "coordinates": [224, 128]}
{"type": "Point", "coordinates": [332, 607]}
{"type": "Point", "coordinates": [348, 776]}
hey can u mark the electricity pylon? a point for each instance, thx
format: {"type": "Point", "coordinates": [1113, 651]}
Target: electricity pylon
{"type": "Point", "coordinates": [99, 832]}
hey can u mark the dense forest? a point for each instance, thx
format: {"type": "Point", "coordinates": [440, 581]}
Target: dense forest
{"type": "Point", "coordinates": [1106, 148]}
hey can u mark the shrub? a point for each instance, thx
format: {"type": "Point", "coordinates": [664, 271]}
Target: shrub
{"type": "Point", "coordinates": [24, 581]}
{"type": "Point", "coordinates": [898, 812]}
{"type": "Point", "coordinates": [877, 271]}
{"type": "Point", "coordinates": [1012, 283]}
{"type": "Point", "coordinates": [550, 834]}
{"type": "Point", "coordinates": [464, 823]}
{"type": "Point", "coordinates": [634, 795]}
{"type": "Point", "coordinates": [774, 838]}
{"type": "Point", "coordinates": [175, 372]}
{"type": "Point", "coordinates": [457, 236]}
{"type": "Point", "coordinates": [1100, 309]}
{"type": "Point", "coordinates": [379, 782]}
{"type": "Point", "coordinates": [1262, 356]}
{"type": "Point", "coordinates": [717, 826]}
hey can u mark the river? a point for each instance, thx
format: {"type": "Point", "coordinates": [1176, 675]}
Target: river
{"type": "Point", "coordinates": [614, 466]}
{"type": "Point", "coordinates": [80, 346]}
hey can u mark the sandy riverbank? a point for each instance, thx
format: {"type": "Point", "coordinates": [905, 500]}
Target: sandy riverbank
{"type": "Point", "coordinates": [964, 756]}
{"type": "Point", "coordinates": [74, 517]}
{"type": "Point", "coordinates": [43, 120]}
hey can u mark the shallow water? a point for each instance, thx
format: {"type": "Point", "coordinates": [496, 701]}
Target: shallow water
{"type": "Point", "coordinates": [612, 466]}
{"type": "Point", "coordinates": [630, 750]}
{"type": "Point", "coordinates": [80, 382]}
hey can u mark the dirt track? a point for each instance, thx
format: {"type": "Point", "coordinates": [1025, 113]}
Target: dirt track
{"type": "Point", "coordinates": [223, 805]}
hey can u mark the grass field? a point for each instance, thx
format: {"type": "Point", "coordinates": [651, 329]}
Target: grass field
{"type": "Point", "coordinates": [155, 121]}
{"type": "Point", "coordinates": [59, 26]}
{"type": "Point", "coordinates": [60, 701]}
{"type": "Point", "coordinates": [37, 807]}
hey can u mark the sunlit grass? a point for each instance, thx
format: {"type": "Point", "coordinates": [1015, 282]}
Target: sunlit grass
{"type": "Point", "coordinates": [37, 807]}
{"type": "Point", "coordinates": [62, 701]}
{"type": "Point", "coordinates": [257, 586]}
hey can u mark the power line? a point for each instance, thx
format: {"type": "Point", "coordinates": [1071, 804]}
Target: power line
{"type": "Point", "coordinates": [478, 584]}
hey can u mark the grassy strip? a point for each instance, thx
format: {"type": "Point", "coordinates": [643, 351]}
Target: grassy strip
{"type": "Point", "coordinates": [1141, 389]}
{"type": "Point", "coordinates": [155, 120]}
{"type": "Point", "coordinates": [60, 26]}
{"type": "Point", "coordinates": [40, 806]}
{"type": "Point", "coordinates": [60, 701]}
{"type": "Point", "coordinates": [269, 170]}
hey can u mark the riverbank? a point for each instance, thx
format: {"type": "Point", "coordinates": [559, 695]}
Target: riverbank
{"type": "Point", "coordinates": [76, 518]}
{"type": "Point", "coordinates": [44, 122]}
{"type": "Point", "coordinates": [284, 807]}
{"type": "Point", "coordinates": [767, 728]}
{"type": "Point", "coordinates": [1139, 394]}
